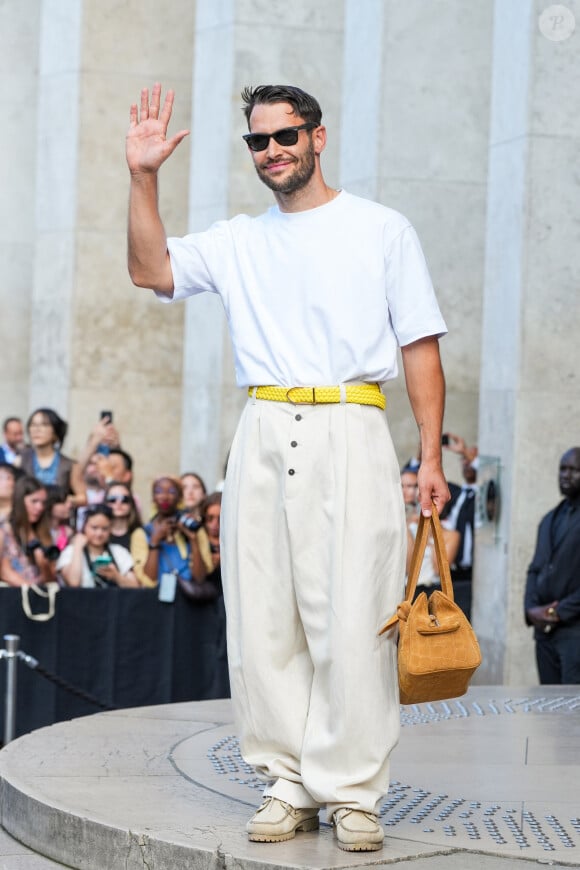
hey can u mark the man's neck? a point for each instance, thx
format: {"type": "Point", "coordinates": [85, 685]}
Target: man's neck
{"type": "Point", "coordinates": [314, 195]}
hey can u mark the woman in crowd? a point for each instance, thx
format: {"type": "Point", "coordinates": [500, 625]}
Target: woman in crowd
{"type": "Point", "coordinates": [206, 578]}
{"type": "Point", "coordinates": [60, 517]}
{"type": "Point", "coordinates": [194, 492]}
{"type": "Point", "coordinates": [7, 482]}
{"type": "Point", "coordinates": [127, 529]}
{"type": "Point", "coordinates": [173, 547]}
{"type": "Point", "coordinates": [43, 457]}
{"type": "Point", "coordinates": [90, 560]}
{"type": "Point", "coordinates": [27, 555]}
{"type": "Point", "coordinates": [209, 538]}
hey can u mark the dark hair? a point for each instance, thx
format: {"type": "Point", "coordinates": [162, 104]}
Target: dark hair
{"type": "Point", "coordinates": [19, 517]}
{"type": "Point", "coordinates": [10, 420]}
{"type": "Point", "coordinates": [59, 426]}
{"type": "Point", "coordinates": [134, 518]}
{"type": "Point", "coordinates": [5, 466]}
{"type": "Point", "coordinates": [214, 498]}
{"type": "Point", "coordinates": [127, 458]}
{"type": "Point", "coordinates": [303, 104]}
{"type": "Point", "coordinates": [54, 495]}
{"type": "Point", "coordinates": [95, 510]}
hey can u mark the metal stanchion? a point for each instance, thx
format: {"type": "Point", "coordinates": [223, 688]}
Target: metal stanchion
{"type": "Point", "coordinates": [10, 653]}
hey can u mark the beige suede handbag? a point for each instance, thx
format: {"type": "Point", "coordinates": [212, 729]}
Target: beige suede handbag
{"type": "Point", "coordinates": [438, 651]}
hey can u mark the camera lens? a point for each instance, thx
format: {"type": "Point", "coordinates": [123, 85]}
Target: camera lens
{"type": "Point", "coordinates": [190, 523]}
{"type": "Point", "coordinates": [52, 553]}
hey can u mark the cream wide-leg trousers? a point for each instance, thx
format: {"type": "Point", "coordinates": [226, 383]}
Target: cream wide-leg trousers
{"type": "Point", "coordinates": [313, 562]}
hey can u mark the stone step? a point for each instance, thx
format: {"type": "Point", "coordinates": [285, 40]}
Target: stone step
{"type": "Point", "coordinates": [479, 782]}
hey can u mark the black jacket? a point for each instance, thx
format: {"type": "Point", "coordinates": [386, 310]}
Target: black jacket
{"type": "Point", "coordinates": [465, 517]}
{"type": "Point", "coordinates": [554, 572]}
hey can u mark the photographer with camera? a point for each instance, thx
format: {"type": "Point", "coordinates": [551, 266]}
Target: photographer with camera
{"type": "Point", "coordinates": [90, 561]}
{"type": "Point", "coordinates": [27, 553]}
{"type": "Point", "coordinates": [172, 535]}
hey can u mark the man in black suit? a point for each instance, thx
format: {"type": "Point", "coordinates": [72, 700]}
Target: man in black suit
{"type": "Point", "coordinates": [552, 598]}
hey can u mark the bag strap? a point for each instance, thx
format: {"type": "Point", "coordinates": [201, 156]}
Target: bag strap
{"type": "Point", "coordinates": [48, 591]}
{"type": "Point", "coordinates": [425, 524]}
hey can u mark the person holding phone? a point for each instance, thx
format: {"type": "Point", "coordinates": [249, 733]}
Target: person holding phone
{"type": "Point", "coordinates": [90, 561]}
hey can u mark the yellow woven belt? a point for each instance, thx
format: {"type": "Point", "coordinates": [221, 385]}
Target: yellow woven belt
{"type": "Point", "coordinates": [360, 394]}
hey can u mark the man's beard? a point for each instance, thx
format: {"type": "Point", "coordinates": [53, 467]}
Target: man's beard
{"type": "Point", "coordinates": [298, 178]}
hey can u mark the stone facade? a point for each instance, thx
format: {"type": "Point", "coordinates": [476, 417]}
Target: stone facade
{"type": "Point", "coordinates": [454, 113]}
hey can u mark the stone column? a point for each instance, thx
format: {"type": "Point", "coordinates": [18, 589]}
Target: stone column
{"type": "Point", "coordinates": [98, 342]}
{"type": "Point", "coordinates": [414, 136]}
{"type": "Point", "coordinates": [19, 38]}
{"type": "Point", "coordinates": [241, 42]}
{"type": "Point", "coordinates": [529, 409]}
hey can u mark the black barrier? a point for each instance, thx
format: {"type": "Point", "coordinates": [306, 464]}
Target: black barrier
{"type": "Point", "coordinates": [122, 646]}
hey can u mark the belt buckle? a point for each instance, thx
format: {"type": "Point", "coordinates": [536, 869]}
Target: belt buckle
{"type": "Point", "coordinates": [301, 401]}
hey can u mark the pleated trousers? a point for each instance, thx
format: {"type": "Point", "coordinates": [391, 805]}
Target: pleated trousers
{"type": "Point", "coordinates": [313, 561]}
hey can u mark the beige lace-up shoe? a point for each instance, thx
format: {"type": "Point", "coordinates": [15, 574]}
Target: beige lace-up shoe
{"type": "Point", "coordinates": [357, 831]}
{"type": "Point", "coordinates": [276, 821]}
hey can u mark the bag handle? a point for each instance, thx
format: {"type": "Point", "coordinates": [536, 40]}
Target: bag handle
{"type": "Point", "coordinates": [432, 523]}
{"type": "Point", "coordinates": [425, 524]}
{"type": "Point", "coordinates": [49, 591]}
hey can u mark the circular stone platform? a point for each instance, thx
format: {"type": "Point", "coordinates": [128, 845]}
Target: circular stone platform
{"type": "Point", "coordinates": [495, 772]}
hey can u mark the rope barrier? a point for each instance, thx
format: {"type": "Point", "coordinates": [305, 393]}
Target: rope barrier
{"type": "Point", "coordinates": [13, 654]}
{"type": "Point", "coordinates": [62, 684]}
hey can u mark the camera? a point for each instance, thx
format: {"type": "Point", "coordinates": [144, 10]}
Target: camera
{"type": "Point", "coordinates": [51, 552]}
{"type": "Point", "coordinates": [189, 523]}
{"type": "Point", "coordinates": [445, 440]}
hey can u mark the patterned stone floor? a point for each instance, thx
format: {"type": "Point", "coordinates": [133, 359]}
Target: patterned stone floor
{"type": "Point", "coordinates": [493, 777]}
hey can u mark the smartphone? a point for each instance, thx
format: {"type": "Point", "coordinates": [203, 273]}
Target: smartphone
{"type": "Point", "coordinates": [105, 414]}
{"type": "Point", "coordinates": [445, 440]}
{"type": "Point", "coordinates": [167, 588]}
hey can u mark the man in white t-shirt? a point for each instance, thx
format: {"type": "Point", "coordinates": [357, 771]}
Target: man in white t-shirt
{"type": "Point", "coordinates": [319, 292]}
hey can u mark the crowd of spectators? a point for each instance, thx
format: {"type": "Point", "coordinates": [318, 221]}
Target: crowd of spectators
{"type": "Point", "coordinates": [79, 524]}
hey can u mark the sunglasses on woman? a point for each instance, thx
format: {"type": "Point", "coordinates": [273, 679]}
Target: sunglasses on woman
{"type": "Point", "coordinates": [286, 136]}
{"type": "Point", "coordinates": [122, 499]}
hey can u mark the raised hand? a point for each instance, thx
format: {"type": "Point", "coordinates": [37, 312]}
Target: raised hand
{"type": "Point", "coordinates": [147, 145]}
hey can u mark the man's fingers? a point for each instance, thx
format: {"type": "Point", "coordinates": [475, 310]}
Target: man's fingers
{"type": "Point", "coordinates": [175, 140]}
{"type": "Point", "coordinates": [155, 101]}
{"type": "Point", "coordinates": [144, 104]}
{"type": "Point", "coordinates": [165, 115]}
{"type": "Point", "coordinates": [133, 115]}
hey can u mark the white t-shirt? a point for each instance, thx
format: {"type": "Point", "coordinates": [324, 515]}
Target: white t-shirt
{"type": "Point", "coordinates": [122, 557]}
{"type": "Point", "coordinates": [322, 296]}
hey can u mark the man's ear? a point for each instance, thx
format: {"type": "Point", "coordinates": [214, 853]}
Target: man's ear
{"type": "Point", "coordinates": [319, 139]}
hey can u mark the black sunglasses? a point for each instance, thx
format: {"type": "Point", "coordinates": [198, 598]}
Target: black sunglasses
{"type": "Point", "coordinates": [124, 499]}
{"type": "Point", "coordinates": [287, 136]}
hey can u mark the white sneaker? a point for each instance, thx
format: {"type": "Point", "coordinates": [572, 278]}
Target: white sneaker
{"type": "Point", "coordinates": [357, 831]}
{"type": "Point", "coordinates": [276, 821]}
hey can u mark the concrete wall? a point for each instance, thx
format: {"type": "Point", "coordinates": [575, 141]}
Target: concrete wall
{"type": "Point", "coordinates": [96, 341]}
{"type": "Point", "coordinates": [529, 410]}
{"type": "Point", "coordinates": [19, 43]}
